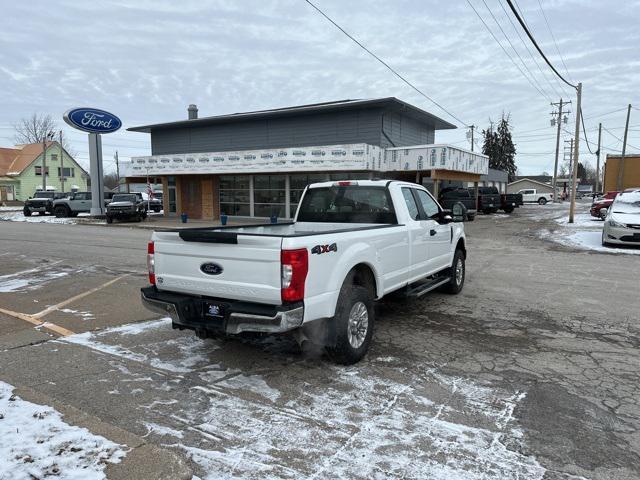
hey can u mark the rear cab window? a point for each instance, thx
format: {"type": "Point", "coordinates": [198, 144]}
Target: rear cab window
{"type": "Point", "coordinates": [347, 204]}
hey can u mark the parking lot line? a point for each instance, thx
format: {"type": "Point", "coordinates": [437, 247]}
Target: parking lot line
{"type": "Point", "coordinates": [52, 308]}
{"type": "Point", "coordinates": [38, 323]}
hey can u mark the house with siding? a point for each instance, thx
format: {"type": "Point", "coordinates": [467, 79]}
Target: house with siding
{"type": "Point", "coordinates": [257, 164]}
{"type": "Point", "coordinates": [21, 171]}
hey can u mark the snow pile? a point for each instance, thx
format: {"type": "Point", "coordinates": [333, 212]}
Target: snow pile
{"type": "Point", "coordinates": [13, 216]}
{"type": "Point", "coordinates": [590, 240]}
{"type": "Point", "coordinates": [35, 443]}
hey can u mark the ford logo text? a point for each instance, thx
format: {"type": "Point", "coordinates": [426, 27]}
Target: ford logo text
{"type": "Point", "coordinates": [92, 120]}
{"type": "Point", "coordinates": [211, 268]}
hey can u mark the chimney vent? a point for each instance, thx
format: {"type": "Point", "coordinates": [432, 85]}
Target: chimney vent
{"type": "Point", "coordinates": [193, 111]}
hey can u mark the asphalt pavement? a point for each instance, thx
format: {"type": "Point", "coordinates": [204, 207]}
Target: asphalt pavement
{"type": "Point", "coordinates": [531, 372]}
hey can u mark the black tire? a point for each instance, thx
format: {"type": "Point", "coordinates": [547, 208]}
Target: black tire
{"type": "Point", "coordinates": [542, 201]}
{"type": "Point", "coordinates": [509, 210]}
{"type": "Point", "coordinates": [109, 219]}
{"type": "Point", "coordinates": [352, 298]}
{"type": "Point", "coordinates": [26, 212]}
{"type": "Point", "coordinates": [486, 211]}
{"type": "Point", "coordinates": [471, 217]}
{"type": "Point", "coordinates": [604, 242]}
{"type": "Point", "coordinates": [138, 218]}
{"type": "Point", "coordinates": [61, 211]}
{"type": "Point", "coordinates": [455, 284]}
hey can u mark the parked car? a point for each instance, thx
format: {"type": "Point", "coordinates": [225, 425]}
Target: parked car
{"type": "Point", "coordinates": [41, 203]}
{"type": "Point", "coordinates": [449, 196]}
{"type": "Point", "coordinates": [532, 195]}
{"type": "Point", "coordinates": [126, 206]}
{"type": "Point", "coordinates": [155, 203]}
{"type": "Point", "coordinates": [488, 201]}
{"type": "Point", "coordinates": [508, 201]}
{"type": "Point", "coordinates": [352, 242]}
{"type": "Point", "coordinates": [622, 223]}
{"type": "Point", "coordinates": [75, 203]}
{"type": "Point", "coordinates": [600, 205]}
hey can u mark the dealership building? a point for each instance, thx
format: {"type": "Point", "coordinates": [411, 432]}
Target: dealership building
{"type": "Point", "coordinates": [257, 164]}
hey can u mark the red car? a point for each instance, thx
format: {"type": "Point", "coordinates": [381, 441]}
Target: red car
{"type": "Point", "coordinates": [602, 203]}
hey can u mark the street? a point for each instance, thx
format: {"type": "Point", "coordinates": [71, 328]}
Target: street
{"type": "Point", "coordinates": [531, 372]}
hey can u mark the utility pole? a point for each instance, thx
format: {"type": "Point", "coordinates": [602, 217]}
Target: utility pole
{"type": "Point", "coordinates": [555, 167]}
{"type": "Point", "coordinates": [45, 137]}
{"type": "Point", "coordinates": [576, 150]}
{"type": "Point", "coordinates": [624, 149]}
{"type": "Point", "coordinates": [470, 135]}
{"type": "Point", "coordinates": [117, 172]}
{"type": "Point", "coordinates": [61, 165]}
{"type": "Point", "coordinates": [598, 158]}
{"type": "Point", "coordinates": [571, 157]}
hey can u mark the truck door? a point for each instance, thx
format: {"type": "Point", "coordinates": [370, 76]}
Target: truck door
{"type": "Point", "coordinates": [418, 238]}
{"type": "Point", "coordinates": [439, 236]}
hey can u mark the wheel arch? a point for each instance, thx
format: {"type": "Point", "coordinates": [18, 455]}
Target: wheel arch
{"type": "Point", "coordinates": [461, 245]}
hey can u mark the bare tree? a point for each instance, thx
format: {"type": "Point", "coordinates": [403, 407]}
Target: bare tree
{"type": "Point", "coordinates": [111, 180]}
{"type": "Point", "coordinates": [36, 127]}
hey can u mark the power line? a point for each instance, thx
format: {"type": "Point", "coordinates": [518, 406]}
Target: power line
{"type": "Point", "coordinates": [618, 138]}
{"type": "Point", "coordinates": [507, 53]}
{"type": "Point", "coordinates": [605, 114]}
{"type": "Point", "coordinates": [584, 131]}
{"type": "Point", "coordinates": [506, 14]}
{"type": "Point", "coordinates": [554, 40]}
{"type": "Point", "coordinates": [514, 49]}
{"type": "Point", "coordinates": [465, 124]}
{"type": "Point", "coordinates": [535, 44]}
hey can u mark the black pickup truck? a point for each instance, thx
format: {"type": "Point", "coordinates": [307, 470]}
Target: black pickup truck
{"type": "Point", "coordinates": [506, 201]}
{"type": "Point", "coordinates": [449, 196]}
{"type": "Point", "coordinates": [489, 201]}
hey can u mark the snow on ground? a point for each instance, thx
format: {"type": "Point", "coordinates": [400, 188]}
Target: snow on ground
{"type": "Point", "coordinates": [78, 313]}
{"type": "Point", "coordinates": [376, 419]}
{"type": "Point", "coordinates": [35, 218]}
{"type": "Point", "coordinates": [35, 278]}
{"type": "Point", "coordinates": [10, 209]}
{"type": "Point", "coordinates": [35, 442]}
{"type": "Point", "coordinates": [585, 233]}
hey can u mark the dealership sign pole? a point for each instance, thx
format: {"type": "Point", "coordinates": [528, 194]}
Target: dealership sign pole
{"type": "Point", "coordinates": [95, 122]}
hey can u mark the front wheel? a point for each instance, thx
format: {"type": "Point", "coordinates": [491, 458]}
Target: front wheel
{"type": "Point", "coordinates": [542, 201]}
{"type": "Point", "coordinates": [27, 212]}
{"type": "Point", "coordinates": [457, 274]}
{"type": "Point", "coordinates": [508, 210]}
{"type": "Point", "coordinates": [353, 325]}
{"type": "Point", "coordinates": [109, 219]}
{"type": "Point", "coordinates": [61, 212]}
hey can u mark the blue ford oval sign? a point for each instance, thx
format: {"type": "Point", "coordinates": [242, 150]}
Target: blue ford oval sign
{"type": "Point", "coordinates": [92, 120]}
{"type": "Point", "coordinates": [211, 268]}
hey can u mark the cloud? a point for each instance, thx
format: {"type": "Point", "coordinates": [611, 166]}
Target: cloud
{"type": "Point", "coordinates": [147, 60]}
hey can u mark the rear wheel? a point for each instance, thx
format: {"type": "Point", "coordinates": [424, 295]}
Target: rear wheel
{"type": "Point", "coordinates": [457, 274]}
{"type": "Point", "coordinates": [542, 201]}
{"type": "Point", "coordinates": [61, 211]}
{"type": "Point", "coordinates": [471, 217]}
{"type": "Point", "coordinates": [353, 324]}
{"type": "Point", "coordinates": [508, 210]}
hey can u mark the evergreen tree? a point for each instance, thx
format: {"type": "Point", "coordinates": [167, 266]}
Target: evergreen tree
{"type": "Point", "coordinates": [499, 147]}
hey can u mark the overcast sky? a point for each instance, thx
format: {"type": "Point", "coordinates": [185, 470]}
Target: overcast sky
{"type": "Point", "coordinates": [147, 60]}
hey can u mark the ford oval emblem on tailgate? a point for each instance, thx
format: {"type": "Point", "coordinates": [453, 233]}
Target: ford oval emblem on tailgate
{"type": "Point", "coordinates": [211, 268]}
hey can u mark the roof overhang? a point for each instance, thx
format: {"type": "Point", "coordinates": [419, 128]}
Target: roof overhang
{"type": "Point", "coordinates": [388, 103]}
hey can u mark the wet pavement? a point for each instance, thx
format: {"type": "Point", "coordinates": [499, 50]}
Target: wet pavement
{"type": "Point", "coordinates": [531, 372]}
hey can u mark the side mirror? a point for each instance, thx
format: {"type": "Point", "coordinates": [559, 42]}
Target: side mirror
{"type": "Point", "coordinates": [459, 212]}
{"type": "Point", "coordinates": [445, 216]}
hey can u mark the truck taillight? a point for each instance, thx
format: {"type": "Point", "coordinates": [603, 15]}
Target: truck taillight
{"type": "Point", "coordinates": [294, 267]}
{"type": "Point", "coordinates": [151, 263]}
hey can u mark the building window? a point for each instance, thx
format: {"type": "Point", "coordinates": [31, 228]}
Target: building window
{"type": "Point", "coordinates": [69, 172]}
{"type": "Point", "coordinates": [234, 195]}
{"type": "Point", "coordinates": [269, 195]}
{"type": "Point", "coordinates": [39, 171]}
{"type": "Point", "coordinates": [53, 157]}
{"type": "Point", "coordinates": [297, 186]}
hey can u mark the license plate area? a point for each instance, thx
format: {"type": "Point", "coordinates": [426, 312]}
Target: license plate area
{"type": "Point", "coordinates": [214, 309]}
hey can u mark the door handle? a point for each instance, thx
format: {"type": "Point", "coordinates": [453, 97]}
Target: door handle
{"type": "Point", "coordinates": [432, 232]}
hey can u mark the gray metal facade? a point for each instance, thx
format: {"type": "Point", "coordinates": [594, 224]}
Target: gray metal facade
{"type": "Point", "coordinates": [374, 126]}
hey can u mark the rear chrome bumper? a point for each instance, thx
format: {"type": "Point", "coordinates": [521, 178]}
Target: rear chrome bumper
{"type": "Point", "coordinates": [186, 311]}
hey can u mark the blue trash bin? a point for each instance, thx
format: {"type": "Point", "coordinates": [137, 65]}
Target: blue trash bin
{"type": "Point", "coordinates": [223, 219]}
{"type": "Point", "coordinates": [274, 219]}
{"type": "Point", "coordinates": [184, 217]}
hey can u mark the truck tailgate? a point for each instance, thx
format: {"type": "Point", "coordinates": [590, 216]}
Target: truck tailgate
{"type": "Point", "coordinates": [245, 267]}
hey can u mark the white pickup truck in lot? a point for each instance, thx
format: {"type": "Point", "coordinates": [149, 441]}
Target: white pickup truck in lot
{"type": "Point", "coordinates": [533, 195]}
{"type": "Point", "coordinates": [352, 242]}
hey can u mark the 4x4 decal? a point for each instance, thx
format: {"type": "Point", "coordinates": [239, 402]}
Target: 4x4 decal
{"type": "Point", "coordinates": [318, 249]}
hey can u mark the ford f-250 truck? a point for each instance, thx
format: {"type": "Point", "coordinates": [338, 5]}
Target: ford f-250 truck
{"type": "Point", "coordinates": [352, 242]}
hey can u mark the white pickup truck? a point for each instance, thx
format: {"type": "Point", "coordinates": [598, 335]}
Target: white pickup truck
{"type": "Point", "coordinates": [352, 242]}
{"type": "Point", "coordinates": [532, 195]}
